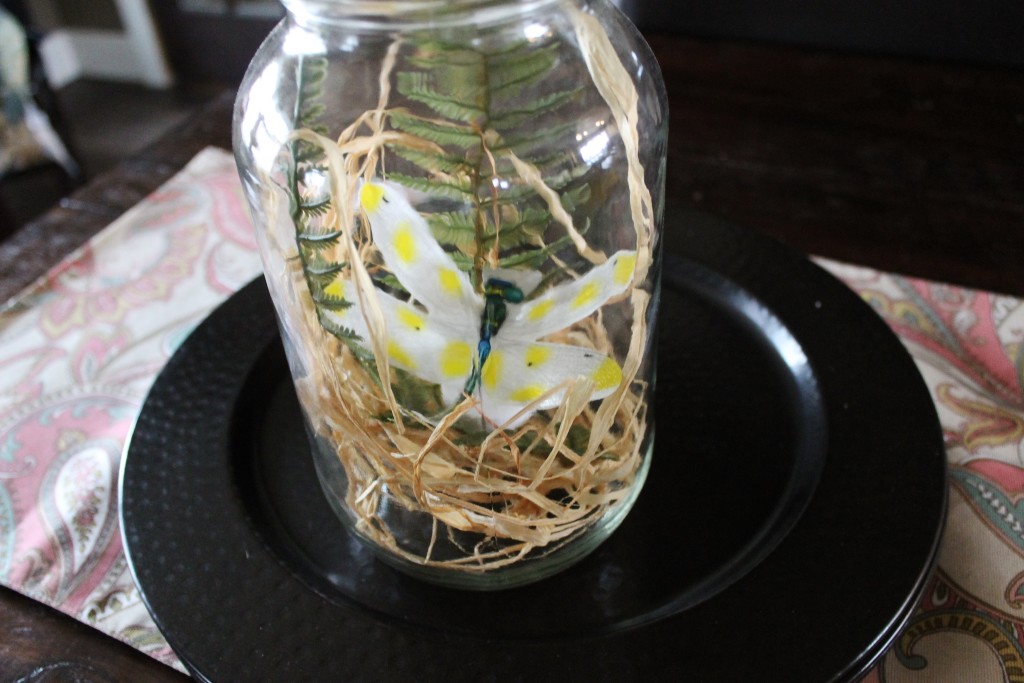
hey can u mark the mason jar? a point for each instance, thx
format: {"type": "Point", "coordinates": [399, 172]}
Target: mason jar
{"type": "Point", "coordinates": [458, 206]}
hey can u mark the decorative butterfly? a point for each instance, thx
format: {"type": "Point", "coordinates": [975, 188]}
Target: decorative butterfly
{"type": "Point", "coordinates": [481, 344]}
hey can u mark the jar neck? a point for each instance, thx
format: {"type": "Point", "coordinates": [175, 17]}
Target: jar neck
{"type": "Point", "coordinates": [392, 14]}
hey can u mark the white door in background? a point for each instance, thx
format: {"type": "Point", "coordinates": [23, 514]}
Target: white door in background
{"type": "Point", "coordinates": [132, 54]}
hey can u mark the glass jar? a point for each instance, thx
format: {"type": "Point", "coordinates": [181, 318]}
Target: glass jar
{"type": "Point", "coordinates": [458, 206]}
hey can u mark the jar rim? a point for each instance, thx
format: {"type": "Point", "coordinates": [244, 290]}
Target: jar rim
{"type": "Point", "coordinates": [367, 13]}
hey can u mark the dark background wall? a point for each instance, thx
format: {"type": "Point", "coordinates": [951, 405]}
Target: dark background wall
{"type": "Point", "coordinates": [979, 32]}
{"type": "Point", "coordinates": [989, 32]}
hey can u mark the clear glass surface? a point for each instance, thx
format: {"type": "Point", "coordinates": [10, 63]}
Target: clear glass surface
{"type": "Point", "coordinates": [458, 207]}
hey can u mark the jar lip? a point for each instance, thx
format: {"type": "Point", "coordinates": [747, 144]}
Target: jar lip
{"type": "Point", "coordinates": [399, 13]}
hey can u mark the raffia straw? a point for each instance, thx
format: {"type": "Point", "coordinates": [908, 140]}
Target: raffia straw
{"type": "Point", "coordinates": [617, 89]}
{"type": "Point", "coordinates": [533, 177]}
{"type": "Point", "coordinates": [619, 93]}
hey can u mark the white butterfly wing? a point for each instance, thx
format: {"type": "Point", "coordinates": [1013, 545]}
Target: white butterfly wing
{"type": "Point", "coordinates": [416, 342]}
{"type": "Point", "coordinates": [518, 374]}
{"type": "Point", "coordinates": [564, 304]}
{"type": "Point", "coordinates": [439, 345]}
{"type": "Point", "coordinates": [414, 257]}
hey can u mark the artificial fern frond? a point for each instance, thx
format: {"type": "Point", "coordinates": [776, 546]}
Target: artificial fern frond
{"type": "Point", "coordinates": [434, 163]}
{"type": "Point", "coordinates": [323, 272]}
{"type": "Point", "coordinates": [543, 105]}
{"type": "Point", "coordinates": [318, 241]}
{"type": "Point", "coordinates": [480, 105]}
{"type": "Point", "coordinates": [453, 227]}
{"type": "Point", "coordinates": [445, 186]}
{"type": "Point", "coordinates": [339, 331]}
{"type": "Point", "coordinates": [517, 68]}
{"type": "Point", "coordinates": [575, 198]}
{"type": "Point", "coordinates": [330, 302]}
{"type": "Point", "coordinates": [527, 137]}
{"type": "Point", "coordinates": [317, 208]}
{"type": "Point", "coordinates": [417, 86]}
{"type": "Point", "coordinates": [415, 394]}
{"type": "Point", "coordinates": [312, 72]}
{"type": "Point", "coordinates": [521, 227]}
{"type": "Point", "coordinates": [391, 282]}
{"type": "Point", "coordinates": [441, 132]}
{"type": "Point", "coordinates": [312, 113]}
{"type": "Point", "coordinates": [434, 54]}
{"type": "Point", "coordinates": [534, 258]}
{"type": "Point", "coordinates": [305, 153]}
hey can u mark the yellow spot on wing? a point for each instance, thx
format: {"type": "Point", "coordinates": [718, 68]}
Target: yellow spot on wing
{"type": "Point", "coordinates": [410, 319]}
{"type": "Point", "coordinates": [336, 289]}
{"type": "Point", "coordinates": [405, 242]}
{"type": "Point", "coordinates": [540, 309]}
{"type": "Point", "coordinates": [449, 280]}
{"type": "Point", "coordinates": [623, 272]}
{"type": "Point", "coordinates": [398, 354]}
{"type": "Point", "coordinates": [527, 393]}
{"type": "Point", "coordinates": [588, 294]}
{"type": "Point", "coordinates": [491, 372]}
{"type": "Point", "coordinates": [607, 375]}
{"type": "Point", "coordinates": [537, 356]}
{"type": "Point", "coordinates": [370, 196]}
{"type": "Point", "coordinates": [456, 359]}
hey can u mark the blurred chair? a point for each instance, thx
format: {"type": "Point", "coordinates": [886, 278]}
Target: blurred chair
{"type": "Point", "coordinates": [36, 165]}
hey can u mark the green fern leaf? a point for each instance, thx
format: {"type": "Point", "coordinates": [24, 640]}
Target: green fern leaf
{"type": "Point", "coordinates": [318, 241]}
{"type": "Point", "coordinates": [529, 137]}
{"type": "Point", "coordinates": [521, 228]}
{"type": "Point", "coordinates": [435, 54]}
{"type": "Point", "coordinates": [499, 96]}
{"type": "Point", "coordinates": [517, 68]}
{"type": "Point", "coordinates": [317, 208]}
{"type": "Point", "coordinates": [311, 113]}
{"type": "Point", "coordinates": [576, 197]}
{"type": "Point", "coordinates": [449, 186]}
{"type": "Point", "coordinates": [312, 73]}
{"type": "Point", "coordinates": [415, 394]}
{"type": "Point", "coordinates": [314, 70]}
{"type": "Point", "coordinates": [330, 302]}
{"type": "Point", "coordinates": [452, 227]}
{"type": "Point", "coordinates": [534, 258]}
{"type": "Point", "coordinates": [416, 86]}
{"type": "Point", "coordinates": [529, 219]}
{"type": "Point", "coordinates": [544, 105]}
{"type": "Point", "coordinates": [323, 272]}
{"type": "Point", "coordinates": [436, 131]}
{"type": "Point", "coordinates": [339, 331]}
{"type": "Point", "coordinates": [434, 163]}
{"type": "Point", "coordinates": [306, 153]}
{"type": "Point", "coordinates": [390, 282]}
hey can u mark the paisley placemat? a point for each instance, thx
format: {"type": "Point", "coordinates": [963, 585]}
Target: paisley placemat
{"type": "Point", "coordinates": [78, 351]}
{"type": "Point", "coordinates": [80, 348]}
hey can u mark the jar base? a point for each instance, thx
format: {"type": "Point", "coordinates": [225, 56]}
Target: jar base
{"type": "Point", "coordinates": [535, 566]}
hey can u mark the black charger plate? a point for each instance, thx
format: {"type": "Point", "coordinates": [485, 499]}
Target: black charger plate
{"type": "Point", "coordinates": [788, 526]}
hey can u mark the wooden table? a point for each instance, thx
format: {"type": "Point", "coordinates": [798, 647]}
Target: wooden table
{"type": "Point", "coordinates": [916, 168]}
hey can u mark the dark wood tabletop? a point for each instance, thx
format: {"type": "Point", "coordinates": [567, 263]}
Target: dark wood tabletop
{"type": "Point", "coordinates": [905, 166]}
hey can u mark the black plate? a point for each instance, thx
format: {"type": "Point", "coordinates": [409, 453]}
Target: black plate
{"type": "Point", "coordinates": [788, 525]}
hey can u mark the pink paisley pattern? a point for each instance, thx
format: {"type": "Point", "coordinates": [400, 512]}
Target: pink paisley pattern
{"type": "Point", "coordinates": [969, 347]}
{"type": "Point", "coordinates": [79, 349]}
